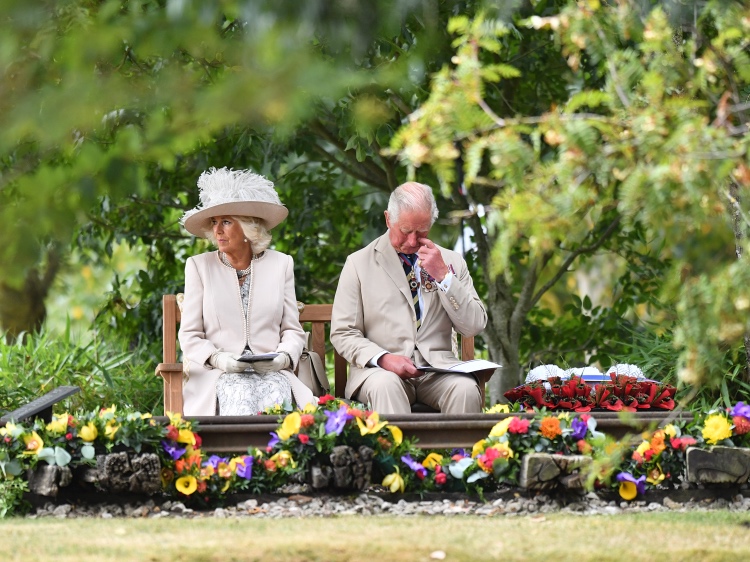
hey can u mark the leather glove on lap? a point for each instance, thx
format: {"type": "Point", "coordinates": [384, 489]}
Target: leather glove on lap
{"type": "Point", "coordinates": [281, 361]}
{"type": "Point", "coordinates": [227, 362]}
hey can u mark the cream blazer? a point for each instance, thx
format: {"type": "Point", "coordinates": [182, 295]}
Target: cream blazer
{"type": "Point", "coordinates": [212, 320]}
{"type": "Point", "coordinates": [373, 312]}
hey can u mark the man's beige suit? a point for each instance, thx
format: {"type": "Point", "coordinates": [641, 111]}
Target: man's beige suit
{"type": "Point", "coordinates": [373, 312]}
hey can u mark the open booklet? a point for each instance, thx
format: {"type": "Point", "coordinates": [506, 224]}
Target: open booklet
{"type": "Point", "coordinates": [472, 366]}
{"type": "Point", "coordinates": [250, 358]}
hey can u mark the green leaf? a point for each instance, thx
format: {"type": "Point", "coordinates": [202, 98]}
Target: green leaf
{"type": "Point", "coordinates": [478, 475]}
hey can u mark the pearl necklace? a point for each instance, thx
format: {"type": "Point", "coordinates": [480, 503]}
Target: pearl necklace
{"type": "Point", "coordinates": [240, 272]}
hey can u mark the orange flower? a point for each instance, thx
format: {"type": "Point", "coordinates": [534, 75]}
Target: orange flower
{"type": "Point", "coordinates": [270, 465]}
{"type": "Point", "coordinates": [657, 442]}
{"type": "Point", "coordinates": [550, 427]}
{"type": "Point", "coordinates": [306, 420]}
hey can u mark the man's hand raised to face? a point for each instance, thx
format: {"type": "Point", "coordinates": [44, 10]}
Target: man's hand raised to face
{"type": "Point", "coordinates": [431, 260]}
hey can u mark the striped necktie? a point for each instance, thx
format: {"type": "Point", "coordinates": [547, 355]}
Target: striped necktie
{"type": "Point", "coordinates": [408, 261]}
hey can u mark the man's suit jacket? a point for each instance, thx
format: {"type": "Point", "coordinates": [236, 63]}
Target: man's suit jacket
{"type": "Point", "coordinates": [373, 311]}
{"type": "Point", "coordinates": [213, 320]}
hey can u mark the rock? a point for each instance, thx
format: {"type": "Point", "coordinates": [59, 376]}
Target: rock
{"type": "Point", "coordinates": [46, 479]}
{"type": "Point", "coordinates": [720, 465]}
{"type": "Point", "coordinates": [543, 471]}
{"type": "Point", "coordinates": [352, 469]}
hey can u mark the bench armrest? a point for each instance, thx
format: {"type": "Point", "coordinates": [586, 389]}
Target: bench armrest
{"type": "Point", "coordinates": [172, 375]}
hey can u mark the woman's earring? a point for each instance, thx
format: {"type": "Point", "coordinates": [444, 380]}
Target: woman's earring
{"type": "Point", "coordinates": [245, 239]}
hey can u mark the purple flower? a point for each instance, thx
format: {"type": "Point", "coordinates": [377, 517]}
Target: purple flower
{"type": "Point", "coordinates": [337, 420]}
{"type": "Point", "coordinates": [741, 409]}
{"type": "Point", "coordinates": [214, 461]}
{"type": "Point", "coordinates": [172, 449]}
{"type": "Point", "coordinates": [245, 470]}
{"type": "Point", "coordinates": [418, 469]}
{"type": "Point", "coordinates": [459, 451]}
{"type": "Point", "coordinates": [274, 439]}
{"type": "Point", "coordinates": [579, 428]}
{"type": "Point", "coordinates": [640, 482]}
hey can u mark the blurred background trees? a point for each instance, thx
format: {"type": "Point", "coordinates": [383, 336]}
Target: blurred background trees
{"type": "Point", "coordinates": [590, 157]}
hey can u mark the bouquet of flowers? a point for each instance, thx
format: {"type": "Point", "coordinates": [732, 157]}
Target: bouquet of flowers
{"type": "Point", "coordinates": [729, 427]}
{"type": "Point", "coordinates": [659, 460]}
{"type": "Point", "coordinates": [188, 475]}
{"type": "Point", "coordinates": [497, 458]}
{"type": "Point", "coordinates": [308, 437]}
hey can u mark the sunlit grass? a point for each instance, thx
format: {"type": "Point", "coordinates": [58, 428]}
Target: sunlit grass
{"type": "Point", "coordinates": [716, 535]}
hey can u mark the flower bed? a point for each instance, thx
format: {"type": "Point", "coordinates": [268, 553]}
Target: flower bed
{"type": "Point", "coordinates": [338, 445]}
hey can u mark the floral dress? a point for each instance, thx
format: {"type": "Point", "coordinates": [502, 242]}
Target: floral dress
{"type": "Point", "coordinates": [250, 393]}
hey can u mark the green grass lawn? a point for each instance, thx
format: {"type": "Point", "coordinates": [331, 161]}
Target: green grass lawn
{"type": "Point", "coordinates": [663, 537]}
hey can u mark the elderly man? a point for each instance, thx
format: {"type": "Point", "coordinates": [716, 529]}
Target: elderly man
{"type": "Point", "coordinates": [396, 304]}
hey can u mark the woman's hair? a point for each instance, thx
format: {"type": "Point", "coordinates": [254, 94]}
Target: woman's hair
{"type": "Point", "coordinates": [255, 231]}
{"type": "Point", "coordinates": [412, 196]}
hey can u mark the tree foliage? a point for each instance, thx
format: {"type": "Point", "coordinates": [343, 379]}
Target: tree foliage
{"type": "Point", "coordinates": [649, 143]}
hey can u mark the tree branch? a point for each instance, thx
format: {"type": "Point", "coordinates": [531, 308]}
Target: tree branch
{"type": "Point", "coordinates": [571, 258]}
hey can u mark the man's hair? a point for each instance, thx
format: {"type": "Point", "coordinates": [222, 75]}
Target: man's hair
{"type": "Point", "coordinates": [412, 196]}
{"type": "Point", "coordinates": [255, 231]}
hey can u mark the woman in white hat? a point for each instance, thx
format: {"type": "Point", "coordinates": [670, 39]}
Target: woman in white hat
{"type": "Point", "coordinates": [239, 300]}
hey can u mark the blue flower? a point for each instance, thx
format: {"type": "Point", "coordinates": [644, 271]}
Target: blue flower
{"type": "Point", "coordinates": [172, 449]}
{"type": "Point", "coordinates": [418, 469]}
{"type": "Point", "coordinates": [579, 428]}
{"type": "Point", "coordinates": [245, 470]}
{"type": "Point", "coordinates": [274, 439]}
{"type": "Point", "coordinates": [741, 409]}
{"type": "Point", "coordinates": [215, 460]}
{"type": "Point", "coordinates": [337, 420]}
{"type": "Point", "coordinates": [630, 486]}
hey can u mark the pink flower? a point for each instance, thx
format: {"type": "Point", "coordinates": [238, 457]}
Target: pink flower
{"type": "Point", "coordinates": [519, 425]}
{"type": "Point", "coordinates": [303, 438]}
{"type": "Point", "coordinates": [440, 478]}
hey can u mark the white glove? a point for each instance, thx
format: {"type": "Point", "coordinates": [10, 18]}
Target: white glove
{"type": "Point", "coordinates": [227, 362]}
{"type": "Point", "coordinates": [281, 361]}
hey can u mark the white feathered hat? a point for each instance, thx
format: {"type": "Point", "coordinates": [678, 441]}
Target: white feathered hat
{"type": "Point", "coordinates": [240, 193]}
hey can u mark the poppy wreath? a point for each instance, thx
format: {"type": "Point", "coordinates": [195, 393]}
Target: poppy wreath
{"type": "Point", "coordinates": [622, 393]}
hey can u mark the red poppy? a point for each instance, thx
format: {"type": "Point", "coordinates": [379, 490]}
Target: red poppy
{"type": "Point", "coordinates": [303, 438]}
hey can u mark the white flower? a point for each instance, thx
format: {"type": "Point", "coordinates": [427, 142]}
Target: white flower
{"type": "Point", "coordinates": [628, 370]}
{"type": "Point", "coordinates": [544, 372]}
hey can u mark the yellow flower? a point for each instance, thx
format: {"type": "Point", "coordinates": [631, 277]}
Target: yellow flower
{"type": "Point", "coordinates": [34, 443]}
{"type": "Point", "coordinates": [628, 490]}
{"type": "Point", "coordinates": [501, 428]}
{"type": "Point", "coordinates": [478, 448]}
{"type": "Point", "coordinates": [655, 476]}
{"type": "Point", "coordinates": [88, 432]}
{"type": "Point", "coordinates": [671, 430]}
{"type": "Point", "coordinates": [207, 472]}
{"type": "Point", "coordinates": [290, 426]}
{"type": "Point", "coordinates": [398, 435]}
{"type": "Point", "coordinates": [146, 416]}
{"type": "Point", "coordinates": [431, 460]}
{"type": "Point", "coordinates": [106, 411]}
{"type": "Point", "coordinates": [8, 429]}
{"type": "Point", "coordinates": [309, 408]}
{"type": "Point", "coordinates": [498, 409]}
{"type": "Point", "coordinates": [564, 416]}
{"type": "Point", "coordinates": [283, 458]}
{"type": "Point", "coordinates": [174, 419]}
{"type": "Point", "coordinates": [716, 428]}
{"type": "Point", "coordinates": [110, 429]}
{"type": "Point", "coordinates": [59, 424]}
{"type": "Point", "coordinates": [643, 447]}
{"type": "Point", "coordinates": [504, 448]}
{"type": "Point", "coordinates": [186, 484]}
{"type": "Point", "coordinates": [394, 482]}
{"type": "Point", "coordinates": [186, 436]}
{"type": "Point", "coordinates": [371, 425]}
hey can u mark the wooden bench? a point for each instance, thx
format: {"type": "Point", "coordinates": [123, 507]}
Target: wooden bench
{"type": "Point", "coordinates": [316, 315]}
